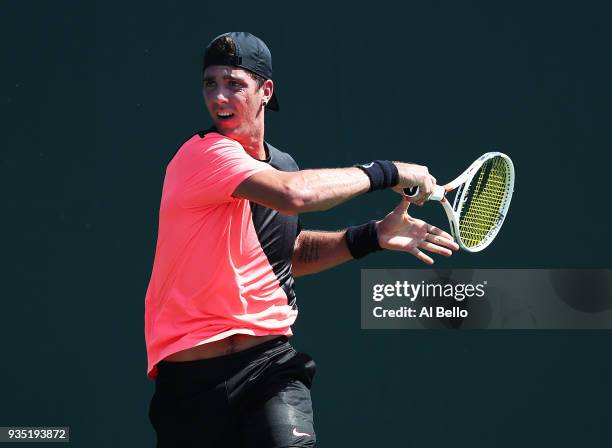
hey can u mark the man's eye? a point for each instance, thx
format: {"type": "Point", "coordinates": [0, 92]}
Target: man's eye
{"type": "Point", "coordinates": [234, 84]}
{"type": "Point", "coordinates": [209, 84]}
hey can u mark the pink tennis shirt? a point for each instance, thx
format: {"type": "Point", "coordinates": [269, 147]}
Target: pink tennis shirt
{"type": "Point", "coordinates": [211, 277]}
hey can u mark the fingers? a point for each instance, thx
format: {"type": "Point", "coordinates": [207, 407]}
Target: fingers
{"type": "Point", "coordinates": [431, 247]}
{"type": "Point", "coordinates": [439, 232]}
{"type": "Point", "coordinates": [443, 240]}
{"type": "Point", "coordinates": [412, 175]}
{"type": "Point", "coordinates": [421, 256]}
{"type": "Point", "coordinates": [427, 188]}
{"type": "Point", "coordinates": [436, 241]}
{"type": "Point", "coordinates": [402, 207]}
{"type": "Point", "coordinates": [425, 184]}
{"type": "Point", "coordinates": [414, 235]}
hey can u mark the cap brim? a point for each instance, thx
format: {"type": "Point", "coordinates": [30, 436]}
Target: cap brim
{"type": "Point", "coordinates": [273, 103]}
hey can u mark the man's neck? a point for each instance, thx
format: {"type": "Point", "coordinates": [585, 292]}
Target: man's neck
{"type": "Point", "coordinates": [255, 148]}
{"type": "Point", "coordinates": [253, 144]}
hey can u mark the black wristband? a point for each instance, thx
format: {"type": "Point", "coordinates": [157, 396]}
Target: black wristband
{"type": "Point", "coordinates": [362, 240]}
{"type": "Point", "coordinates": [382, 173]}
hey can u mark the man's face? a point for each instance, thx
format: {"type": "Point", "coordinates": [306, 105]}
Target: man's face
{"type": "Point", "coordinates": [233, 100]}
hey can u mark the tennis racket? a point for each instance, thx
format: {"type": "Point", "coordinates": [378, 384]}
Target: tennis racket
{"type": "Point", "coordinates": [481, 203]}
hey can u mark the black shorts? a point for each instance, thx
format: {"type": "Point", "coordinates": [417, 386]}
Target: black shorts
{"type": "Point", "coordinates": [259, 397]}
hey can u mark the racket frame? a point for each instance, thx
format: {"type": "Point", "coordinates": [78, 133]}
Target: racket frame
{"type": "Point", "coordinates": [453, 212]}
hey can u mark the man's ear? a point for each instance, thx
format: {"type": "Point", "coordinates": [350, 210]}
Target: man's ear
{"type": "Point", "coordinates": [268, 90]}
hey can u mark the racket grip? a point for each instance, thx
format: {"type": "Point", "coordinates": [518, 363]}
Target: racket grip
{"type": "Point", "coordinates": [411, 192]}
{"type": "Point", "coordinates": [437, 195]}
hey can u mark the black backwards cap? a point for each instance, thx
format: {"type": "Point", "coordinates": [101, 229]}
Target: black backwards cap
{"type": "Point", "coordinates": [251, 54]}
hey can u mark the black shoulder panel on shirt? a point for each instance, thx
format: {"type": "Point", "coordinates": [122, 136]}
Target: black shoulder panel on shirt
{"type": "Point", "coordinates": [281, 160]}
{"type": "Point", "coordinates": [277, 232]}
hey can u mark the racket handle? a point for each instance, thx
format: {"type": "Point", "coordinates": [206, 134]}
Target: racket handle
{"type": "Point", "coordinates": [437, 195]}
{"type": "Point", "coordinates": [411, 192]}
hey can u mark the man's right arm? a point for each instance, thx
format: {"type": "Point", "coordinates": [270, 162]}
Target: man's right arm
{"type": "Point", "coordinates": [314, 190]}
{"type": "Point", "coordinates": [303, 191]}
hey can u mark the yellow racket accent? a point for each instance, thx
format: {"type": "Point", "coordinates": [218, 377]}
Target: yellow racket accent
{"type": "Point", "coordinates": [484, 202]}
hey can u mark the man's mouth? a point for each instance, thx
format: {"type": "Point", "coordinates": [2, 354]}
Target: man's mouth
{"type": "Point", "coordinates": [224, 115]}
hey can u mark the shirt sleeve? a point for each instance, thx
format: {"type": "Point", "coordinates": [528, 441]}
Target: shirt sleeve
{"type": "Point", "coordinates": [215, 167]}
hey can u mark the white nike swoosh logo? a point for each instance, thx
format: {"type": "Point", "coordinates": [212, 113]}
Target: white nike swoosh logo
{"type": "Point", "coordinates": [369, 165]}
{"type": "Point", "coordinates": [298, 434]}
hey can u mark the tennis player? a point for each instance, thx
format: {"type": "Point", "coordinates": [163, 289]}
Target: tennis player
{"type": "Point", "coordinates": [220, 302]}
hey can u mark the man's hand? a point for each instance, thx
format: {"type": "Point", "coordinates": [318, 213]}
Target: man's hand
{"type": "Point", "coordinates": [412, 175]}
{"type": "Point", "coordinates": [399, 231]}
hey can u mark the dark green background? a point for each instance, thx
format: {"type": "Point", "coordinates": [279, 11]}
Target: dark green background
{"type": "Point", "coordinates": [97, 97]}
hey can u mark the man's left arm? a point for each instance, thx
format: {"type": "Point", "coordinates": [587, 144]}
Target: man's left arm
{"type": "Point", "coordinates": [316, 251]}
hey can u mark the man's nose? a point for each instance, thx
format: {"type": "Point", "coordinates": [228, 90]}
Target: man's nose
{"type": "Point", "coordinates": [220, 95]}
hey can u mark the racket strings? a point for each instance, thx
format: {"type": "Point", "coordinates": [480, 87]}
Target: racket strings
{"type": "Point", "coordinates": [484, 202]}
